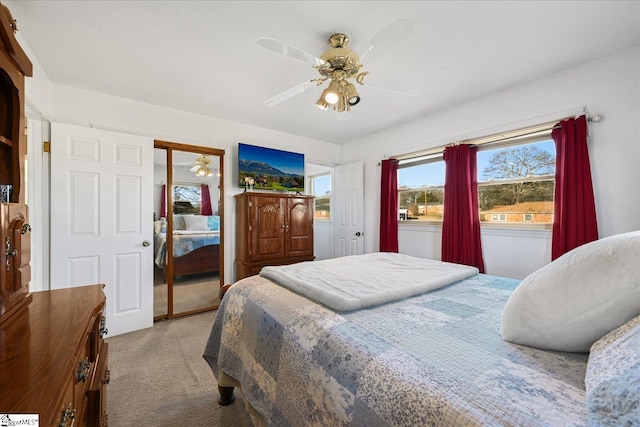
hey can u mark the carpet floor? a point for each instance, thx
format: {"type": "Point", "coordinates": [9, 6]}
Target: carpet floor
{"type": "Point", "coordinates": [159, 378]}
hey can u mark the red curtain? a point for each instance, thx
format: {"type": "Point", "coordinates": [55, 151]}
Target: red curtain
{"type": "Point", "coordinates": [389, 206]}
{"type": "Point", "coordinates": [205, 200]}
{"type": "Point", "coordinates": [461, 242]}
{"type": "Point", "coordinates": [163, 201]}
{"type": "Point", "coordinates": [574, 211]}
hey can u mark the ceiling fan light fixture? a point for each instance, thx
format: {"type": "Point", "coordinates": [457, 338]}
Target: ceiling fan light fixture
{"type": "Point", "coordinates": [332, 93]}
{"type": "Point", "coordinates": [343, 105]}
{"type": "Point", "coordinates": [322, 104]}
{"type": "Point", "coordinates": [352, 94]}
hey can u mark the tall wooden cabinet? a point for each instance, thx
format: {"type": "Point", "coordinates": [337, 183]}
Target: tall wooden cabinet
{"type": "Point", "coordinates": [15, 254]}
{"type": "Point", "coordinates": [272, 229]}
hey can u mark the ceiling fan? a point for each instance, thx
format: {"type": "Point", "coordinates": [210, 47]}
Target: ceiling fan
{"type": "Point", "coordinates": [202, 167]}
{"type": "Point", "coordinates": [341, 66]}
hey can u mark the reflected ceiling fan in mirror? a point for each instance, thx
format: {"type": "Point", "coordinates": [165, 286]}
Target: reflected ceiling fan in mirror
{"type": "Point", "coordinates": [340, 66]}
{"type": "Point", "coordinates": [202, 166]}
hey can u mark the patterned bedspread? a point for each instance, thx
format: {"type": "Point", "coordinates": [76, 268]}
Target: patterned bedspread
{"type": "Point", "coordinates": [436, 359]}
{"type": "Point", "coordinates": [182, 244]}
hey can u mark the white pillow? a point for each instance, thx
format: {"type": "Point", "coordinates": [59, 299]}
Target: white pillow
{"type": "Point", "coordinates": [178, 222]}
{"type": "Point", "coordinates": [575, 300]}
{"type": "Point", "coordinates": [196, 222]}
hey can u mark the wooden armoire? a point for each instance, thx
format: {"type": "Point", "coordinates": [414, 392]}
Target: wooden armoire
{"type": "Point", "coordinates": [272, 229]}
{"type": "Point", "coordinates": [53, 358]}
{"type": "Point", "coordinates": [15, 247]}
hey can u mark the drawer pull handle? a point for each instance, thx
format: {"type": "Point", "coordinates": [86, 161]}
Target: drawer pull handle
{"type": "Point", "coordinates": [103, 327]}
{"type": "Point", "coordinates": [83, 372]}
{"type": "Point", "coordinates": [107, 377]}
{"type": "Point", "coordinates": [8, 254]}
{"type": "Point", "coordinates": [25, 228]}
{"type": "Point", "coordinates": [68, 414]}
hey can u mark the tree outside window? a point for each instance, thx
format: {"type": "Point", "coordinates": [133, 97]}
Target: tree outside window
{"type": "Point", "coordinates": [186, 198]}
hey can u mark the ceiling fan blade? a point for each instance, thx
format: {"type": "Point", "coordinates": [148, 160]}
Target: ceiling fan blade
{"type": "Point", "coordinates": [386, 39]}
{"type": "Point", "coordinates": [195, 168]}
{"type": "Point", "coordinates": [392, 84]}
{"type": "Point", "coordinates": [290, 93]}
{"type": "Point", "coordinates": [290, 51]}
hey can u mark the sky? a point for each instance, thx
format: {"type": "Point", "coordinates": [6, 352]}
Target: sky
{"type": "Point", "coordinates": [434, 174]}
{"type": "Point", "coordinates": [285, 161]}
{"type": "Point", "coordinates": [322, 185]}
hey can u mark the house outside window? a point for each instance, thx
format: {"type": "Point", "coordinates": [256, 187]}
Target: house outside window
{"type": "Point", "coordinates": [186, 198]}
{"type": "Point", "coordinates": [515, 183]}
{"type": "Point", "coordinates": [321, 189]}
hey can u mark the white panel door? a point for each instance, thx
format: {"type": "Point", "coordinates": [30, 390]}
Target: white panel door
{"type": "Point", "coordinates": [101, 219]}
{"type": "Point", "coordinates": [349, 200]}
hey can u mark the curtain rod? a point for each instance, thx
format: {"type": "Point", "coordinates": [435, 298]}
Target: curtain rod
{"type": "Point", "coordinates": [498, 137]}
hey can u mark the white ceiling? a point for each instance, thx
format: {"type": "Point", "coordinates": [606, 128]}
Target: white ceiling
{"type": "Point", "coordinates": [202, 56]}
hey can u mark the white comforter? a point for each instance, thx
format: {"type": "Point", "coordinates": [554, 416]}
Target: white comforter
{"type": "Point", "coordinates": [382, 277]}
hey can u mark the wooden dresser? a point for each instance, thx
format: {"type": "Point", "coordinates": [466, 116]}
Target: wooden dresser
{"type": "Point", "coordinates": [53, 360]}
{"type": "Point", "coordinates": [272, 229]}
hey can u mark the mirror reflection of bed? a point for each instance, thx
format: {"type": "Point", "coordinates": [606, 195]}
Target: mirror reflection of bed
{"type": "Point", "coordinates": [187, 229]}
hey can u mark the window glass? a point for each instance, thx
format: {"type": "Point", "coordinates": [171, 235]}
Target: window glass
{"type": "Point", "coordinates": [186, 199]}
{"type": "Point", "coordinates": [421, 191]}
{"type": "Point", "coordinates": [321, 187]}
{"type": "Point", "coordinates": [516, 184]}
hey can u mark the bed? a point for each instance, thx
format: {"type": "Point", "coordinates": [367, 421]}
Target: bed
{"type": "Point", "coordinates": [433, 358]}
{"type": "Point", "coordinates": [196, 245]}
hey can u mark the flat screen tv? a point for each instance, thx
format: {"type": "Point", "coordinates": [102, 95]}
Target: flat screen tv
{"type": "Point", "coordinates": [270, 169]}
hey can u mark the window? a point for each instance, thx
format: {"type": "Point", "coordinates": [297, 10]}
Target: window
{"type": "Point", "coordinates": [515, 182]}
{"type": "Point", "coordinates": [321, 189]}
{"type": "Point", "coordinates": [186, 198]}
{"type": "Point", "coordinates": [421, 189]}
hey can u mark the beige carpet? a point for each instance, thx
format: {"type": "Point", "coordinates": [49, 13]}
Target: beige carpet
{"type": "Point", "coordinates": [159, 378]}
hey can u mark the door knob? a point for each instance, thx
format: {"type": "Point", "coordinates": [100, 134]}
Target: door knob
{"type": "Point", "coordinates": [145, 243]}
{"type": "Point", "coordinates": [358, 233]}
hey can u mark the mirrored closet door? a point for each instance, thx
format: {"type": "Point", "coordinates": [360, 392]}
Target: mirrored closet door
{"type": "Point", "coordinates": [188, 206]}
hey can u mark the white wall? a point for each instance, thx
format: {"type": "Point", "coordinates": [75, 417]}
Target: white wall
{"type": "Point", "coordinates": [609, 86]}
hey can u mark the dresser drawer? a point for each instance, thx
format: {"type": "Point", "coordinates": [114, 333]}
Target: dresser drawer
{"type": "Point", "coordinates": [82, 375]}
{"type": "Point", "coordinates": [97, 394]}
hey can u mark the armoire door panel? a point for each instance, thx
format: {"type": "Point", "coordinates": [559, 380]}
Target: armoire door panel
{"type": "Point", "coordinates": [267, 224]}
{"type": "Point", "coordinates": [299, 227]}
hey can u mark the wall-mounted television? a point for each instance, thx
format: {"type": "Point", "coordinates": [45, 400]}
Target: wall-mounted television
{"type": "Point", "coordinates": [270, 169]}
